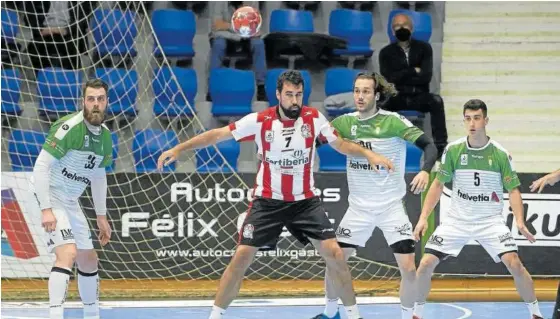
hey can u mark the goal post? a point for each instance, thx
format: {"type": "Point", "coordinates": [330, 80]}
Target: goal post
{"type": "Point", "coordinates": [173, 233]}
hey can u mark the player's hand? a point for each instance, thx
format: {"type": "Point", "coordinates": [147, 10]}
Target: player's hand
{"type": "Point", "coordinates": [419, 183]}
{"type": "Point", "coordinates": [48, 221]}
{"type": "Point", "coordinates": [420, 229]}
{"type": "Point", "coordinates": [167, 158]}
{"type": "Point", "coordinates": [376, 160]}
{"type": "Point", "coordinates": [540, 183]}
{"type": "Point", "coordinates": [104, 230]}
{"type": "Point", "coordinates": [525, 232]}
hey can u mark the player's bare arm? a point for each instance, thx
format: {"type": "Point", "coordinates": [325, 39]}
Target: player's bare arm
{"type": "Point", "coordinates": [430, 203]}
{"type": "Point", "coordinates": [549, 179]}
{"type": "Point", "coordinates": [203, 140]}
{"type": "Point", "coordinates": [348, 148]}
{"type": "Point", "coordinates": [516, 204]}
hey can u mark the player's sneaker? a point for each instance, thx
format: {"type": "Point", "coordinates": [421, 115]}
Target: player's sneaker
{"type": "Point", "coordinates": [322, 316]}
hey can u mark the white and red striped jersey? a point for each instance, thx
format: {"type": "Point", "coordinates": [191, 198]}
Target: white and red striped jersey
{"type": "Point", "coordinates": [286, 151]}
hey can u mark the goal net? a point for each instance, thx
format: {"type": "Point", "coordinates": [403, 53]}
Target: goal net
{"type": "Point", "coordinates": [174, 232]}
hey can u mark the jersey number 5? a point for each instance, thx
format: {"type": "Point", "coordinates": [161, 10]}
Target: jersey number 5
{"type": "Point", "coordinates": [476, 179]}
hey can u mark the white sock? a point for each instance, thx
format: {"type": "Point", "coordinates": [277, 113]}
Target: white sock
{"type": "Point", "coordinates": [352, 312]}
{"type": "Point", "coordinates": [217, 312]}
{"type": "Point", "coordinates": [419, 309]}
{"type": "Point", "coordinates": [534, 308]}
{"type": "Point", "coordinates": [331, 307]}
{"type": "Point", "coordinates": [406, 313]}
{"type": "Point", "coordinates": [58, 286]}
{"type": "Point", "coordinates": [88, 286]}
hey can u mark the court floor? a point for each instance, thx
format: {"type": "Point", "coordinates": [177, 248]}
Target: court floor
{"type": "Point", "coordinates": [290, 308]}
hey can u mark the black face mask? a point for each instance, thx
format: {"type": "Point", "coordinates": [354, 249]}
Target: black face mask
{"type": "Point", "coordinates": [292, 113]}
{"type": "Point", "coordinates": [402, 34]}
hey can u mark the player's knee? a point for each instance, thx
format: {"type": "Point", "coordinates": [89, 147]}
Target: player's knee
{"type": "Point", "coordinates": [66, 255]}
{"type": "Point", "coordinates": [87, 260]}
{"type": "Point", "coordinates": [427, 264]}
{"type": "Point", "coordinates": [514, 264]}
{"type": "Point", "coordinates": [406, 246]}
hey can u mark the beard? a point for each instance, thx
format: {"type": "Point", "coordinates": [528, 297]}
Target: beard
{"type": "Point", "coordinates": [292, 113]}
{"type": "Point", "coordinates": [94, 117]}
{"type": "Point", "coordinates": [368, 107]}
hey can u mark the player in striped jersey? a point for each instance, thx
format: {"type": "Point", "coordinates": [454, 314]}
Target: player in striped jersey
{"type": "Point", "coordinates": [480, 169]}
{"type": "Point", "coordinates": [376, 198]}
{"type": "Point", "coordinates": [75, 154]}
{"type": "Point", "coordinates": [284, 191]}
{"type": "Point", "coordinates": [537, 186]}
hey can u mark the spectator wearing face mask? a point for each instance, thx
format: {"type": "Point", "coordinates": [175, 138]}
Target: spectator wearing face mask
{"type": "Point", "coordinates": [408, 64]}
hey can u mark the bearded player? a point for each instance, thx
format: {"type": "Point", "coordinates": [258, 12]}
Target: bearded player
{"type": "Point", "coordinates": [284, 194]}
{"type": "Point", "coordinates": [75, 154]}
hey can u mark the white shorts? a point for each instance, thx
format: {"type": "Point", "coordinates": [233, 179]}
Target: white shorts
{"type": "Point", "coordinates": [357, 225]}
{"type": "Point", "coordinates": [71, 227]}
{"type": "Point", "coordinates": [494, 236]}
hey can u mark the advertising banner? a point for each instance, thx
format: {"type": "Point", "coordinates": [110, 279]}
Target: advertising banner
{"type": "Point", "coordinates": [185, 226]}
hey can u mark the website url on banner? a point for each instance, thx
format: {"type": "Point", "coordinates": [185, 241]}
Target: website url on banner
{"type": "Point", "coordinates": [290, 253]}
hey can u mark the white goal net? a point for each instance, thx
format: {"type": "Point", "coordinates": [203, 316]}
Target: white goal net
{"type": "Point", "coordinates": [167, 228]}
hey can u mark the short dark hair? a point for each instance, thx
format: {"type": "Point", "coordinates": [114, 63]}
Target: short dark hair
{"type": "Point", "coordinates": [475, 105]}
{"type": "Point", "coordinates": [292, 76]}
{"type": "Point", "coordinates": [96, 84]}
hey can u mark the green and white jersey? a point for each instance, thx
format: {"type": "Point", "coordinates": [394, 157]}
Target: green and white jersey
{"type": "Point", "coordinates": [79, 153]}
{"type": "Point", "coordinates": [385, 133]}
{"type": "Point", "coordinates": [479, 177]}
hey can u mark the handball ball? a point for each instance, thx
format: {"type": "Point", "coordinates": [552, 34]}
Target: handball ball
{"type": "Point", "coordinates": [246, 21]}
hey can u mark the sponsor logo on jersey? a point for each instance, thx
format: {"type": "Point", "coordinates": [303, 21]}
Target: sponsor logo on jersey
{"type": "Point", "coordinates": [306, 130]}
{"type": "Point", "coordinates": [477, 156]}
{"type": "Point", "coordinates": [353, 130]}
{"type": "Point", "coordinates": [288, 131]}
{"type": "Point", "coordinates": [65, 127]}
{"type": "Point", "coordinates": [365, 144]}
{"type": "Point", "coordinates": [404, 230]}
{"type": "Point", "coordinates": [290, 159]}
{"type": "Point", "coordinates": [505, 237]}
{"type": "Point", "coordinates": [479, 197]}
{"type": "Point", "coordinates": [269, 136]}
{"type": "Point", "coordinates": [248, 231]}
{"type": "Point", "coordinates": [353, 164]}
{"type": "Point", "coordinates": [67, 234]}
{"type": "Point", "coordinates": [75, 177]}
{"type": "Point", "coordinates": [436, 240]}
{"type": "Point", "coordinates": [464, 159]}
{"type": "Point", "coordinates": [86, 141]}
{"type": "Point", "coordinates": [343, 232]}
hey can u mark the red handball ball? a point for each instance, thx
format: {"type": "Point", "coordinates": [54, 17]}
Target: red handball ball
{"type": "Point", "coordinates": [246, 21]}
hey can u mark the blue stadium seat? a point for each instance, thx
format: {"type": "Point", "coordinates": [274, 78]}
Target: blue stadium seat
{"type": "Point", "coordinates": [331, 160]}
{"type": "Point", "coordinates": [270, 85]}
{"type": "Point", "coordinates": [11, 83]}
{"type": "Point", "coordinates": [422, 22]}
{"type": "Point", "coordinates": [410, 114]}
{"type": "Point", "coordinates": [123, 90]}
{"type": "Point", "coordinates": [114, 31]}
{"type": "Point", "coordinates": [339, 80]}
{"type": "Point", "coordinates": [209, 161]}
{"type": "Point", "coordinates": [148, 145]}
{"type": "Point", "coordinates": [285, 20]}
{"type": "Point", "coordinates": [115, 152]}
{"type": "Point", "coordinates": [171, 86]}
{"type": "Point", "coordinates": [24, 146]}
{"type": "Point", "coordinates": [232, 91]}
{"type": "Point", "coordinates": [59, 90]}
{"type": "Point", "coordinates": [175, 30]}
{"type": "Point", "coordinates": [413, 156]}
{"type": "Point", "coordinates": [356, 27]}
{"type": "Point", "coordinates": [10, 25]}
